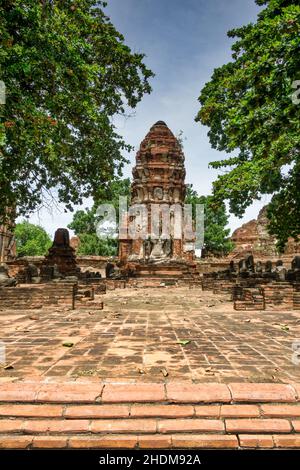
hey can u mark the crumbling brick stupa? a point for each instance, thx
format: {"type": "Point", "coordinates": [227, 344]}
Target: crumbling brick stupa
{"type": "Point", "coordinates": [158, 180]}
{"type": "Point", "coordinates": [61, 256]}
{"type": "Point", "coordinates": [253, 238]}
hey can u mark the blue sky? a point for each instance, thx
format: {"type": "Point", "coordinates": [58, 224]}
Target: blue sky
{"type": "Point", "coordinates": [184, 40]}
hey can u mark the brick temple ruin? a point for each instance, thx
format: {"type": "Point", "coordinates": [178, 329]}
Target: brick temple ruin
{"type": "Point", "coordinates": [253, 274]}
{"type": "Point", "coordinates": [179, 353]}
{"type": "Point", "coordinates": [158, 184]}
{"type": "Point", "coordinates": [253, 238]}
{"type": "Point", "coordinates": [53, 280]}
{"type": "Point", "coordinates": [258, 285]}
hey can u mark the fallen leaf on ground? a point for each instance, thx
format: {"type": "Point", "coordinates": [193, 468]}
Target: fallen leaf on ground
{"type": "Point", "coordinates": [183, 342]}
{"type": "Point", "coordinates": [284, 327]}
{"type": "Point", "coordinates": [68, 345]}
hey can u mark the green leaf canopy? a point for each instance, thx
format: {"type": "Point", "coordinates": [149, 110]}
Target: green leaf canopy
{"type": "Point", "coordinates": [249, 110]}
{"type": "Point", "coordinates": [67, 72]}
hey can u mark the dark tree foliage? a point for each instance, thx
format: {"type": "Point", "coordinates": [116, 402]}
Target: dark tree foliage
{"type": "Point", "coordinates": [67, 72]}
{"type": "Point", "coordinates": [249, 110]}
{"type": "Point", "coordinates": [31, 240]}
{"type": "Point", "coordinates": [216, 241]}
{"type": "Point", "coordinates": [84, 222]}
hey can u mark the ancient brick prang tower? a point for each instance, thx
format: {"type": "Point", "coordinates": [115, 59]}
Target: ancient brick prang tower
{"type": "Point", "coordinates": [158, 179]}
{"type": "Point", "coordinates": [159, 172]}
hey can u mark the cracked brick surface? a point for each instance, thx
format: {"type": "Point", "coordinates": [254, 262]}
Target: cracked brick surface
{"type": "Point", "coordinates": [162, 334]}
{"type": "Point", "coordinates": [165, 368]}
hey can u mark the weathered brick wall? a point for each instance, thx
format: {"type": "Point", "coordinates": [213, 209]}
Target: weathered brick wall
{"type": "Point", "coordinates": [17, 267]}
{"type": "Point", "coordinates": [112, 284]}
{"type": "Point", "coordinates": [255, 285]}
{"type": "Point", "coordinates": [296, 297]}
{"type": "Point", "coordinates": [99, 285]}
{"type": "Point", "coordinates": [224, 286]}
{"type": "Point", "coordinates": [209, 266]}
{"type": "Point", "coordinates": [37, 296]}
{"type": "Point", "coordinates": [272, 296]}
{"type": "Point", "coordinates": [279, 296]}
{"type": "Point", "coordinates": [249, 299]}
{"type": "Point", "coordinates": [253, 237]}
{"type": "Point", "coordinates": [97, 262]}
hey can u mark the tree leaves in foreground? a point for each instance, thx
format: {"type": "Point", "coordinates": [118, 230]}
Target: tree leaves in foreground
{"type": "Point", "coordinates": [32, 240]}
{"type": "Point", "coordinates": [249, 109]}
{"type": "Point", "coordinates": [216, 235]}
{"type": "Point", "coordinates": [67, 72]}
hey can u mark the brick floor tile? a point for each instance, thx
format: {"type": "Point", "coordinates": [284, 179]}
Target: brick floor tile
{"type": "Point", "coordinates": [257, 425]}
{"type": "Point", "coordinates": [50, 442]}
{"type": "Point", "coordinates": [124, 425]}
{"type": "Point", "coordinates": [280, 410]}
{"type": "Point", "coordinates": [18, 391]}
{"type": "Point", "coordinates": [232, 348]}
{"type": "Point", "coordinates": [207, 411]}
{"type": "Point", "coordinates": [162, 411]}
{"type": "Point", "coordinates": [15, 442]}
{"type": "Point", "coordinates": [256, 440]}
{"type": "Point", "coordinates": [56, 426]}
{"type": "Point", "coordinates": [107, 442]}
{"type": "Point", "coordinates": [118, 393]}
{"type": "Point", "coordinates": [296, 386]}
{"type": "Point", "coordinates": [286, 441]}
{"type": "Point", "coordinates": [154, 442]}
{"type": "Point", "coordinates": [196, 393]}
{"type": "Point", "coordinates": [37, 411]}
{"type": "Point", "coordinates": [96, 411]}
{"type": "Point", "coordinates": [208, 441]}
{"type": "Point", "coordinates": [262, 392]}
{"type": "Point", "coordinates": [11, 425]}
{"type": "Point", "coordinates": [190, 425]}
{"type": "Point", "coordinates": [240, 411]}
{"type": "Point", "coordinates": [73, 392]}
{"type": "Point", "coordinates": [296, 425]}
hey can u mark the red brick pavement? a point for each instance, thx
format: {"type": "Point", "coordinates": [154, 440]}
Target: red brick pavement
{"type": "Point", "coordinates": [90, 414]}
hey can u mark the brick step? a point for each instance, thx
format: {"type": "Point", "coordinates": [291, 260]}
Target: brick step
{"type": "Point", "coordinates": [158, 275]}
{"type": "Point", "coordinates": [90, 391]}
{"type": "Point", "coordinates": [151, 282]}
{"type": "Point", "coordinates": [89, 414]}
{"type": "Point", "coordinates": [90, 306]}
{"type": "Point", "coordinates": [109, 411]}
{"type": "Point", "coordinates": [181, 441]}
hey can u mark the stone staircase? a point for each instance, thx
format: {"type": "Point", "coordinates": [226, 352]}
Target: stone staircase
{"type": "Point", "coordinates": [87, 413]}
{"type": "Point", "coordinates": [164, 275]}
